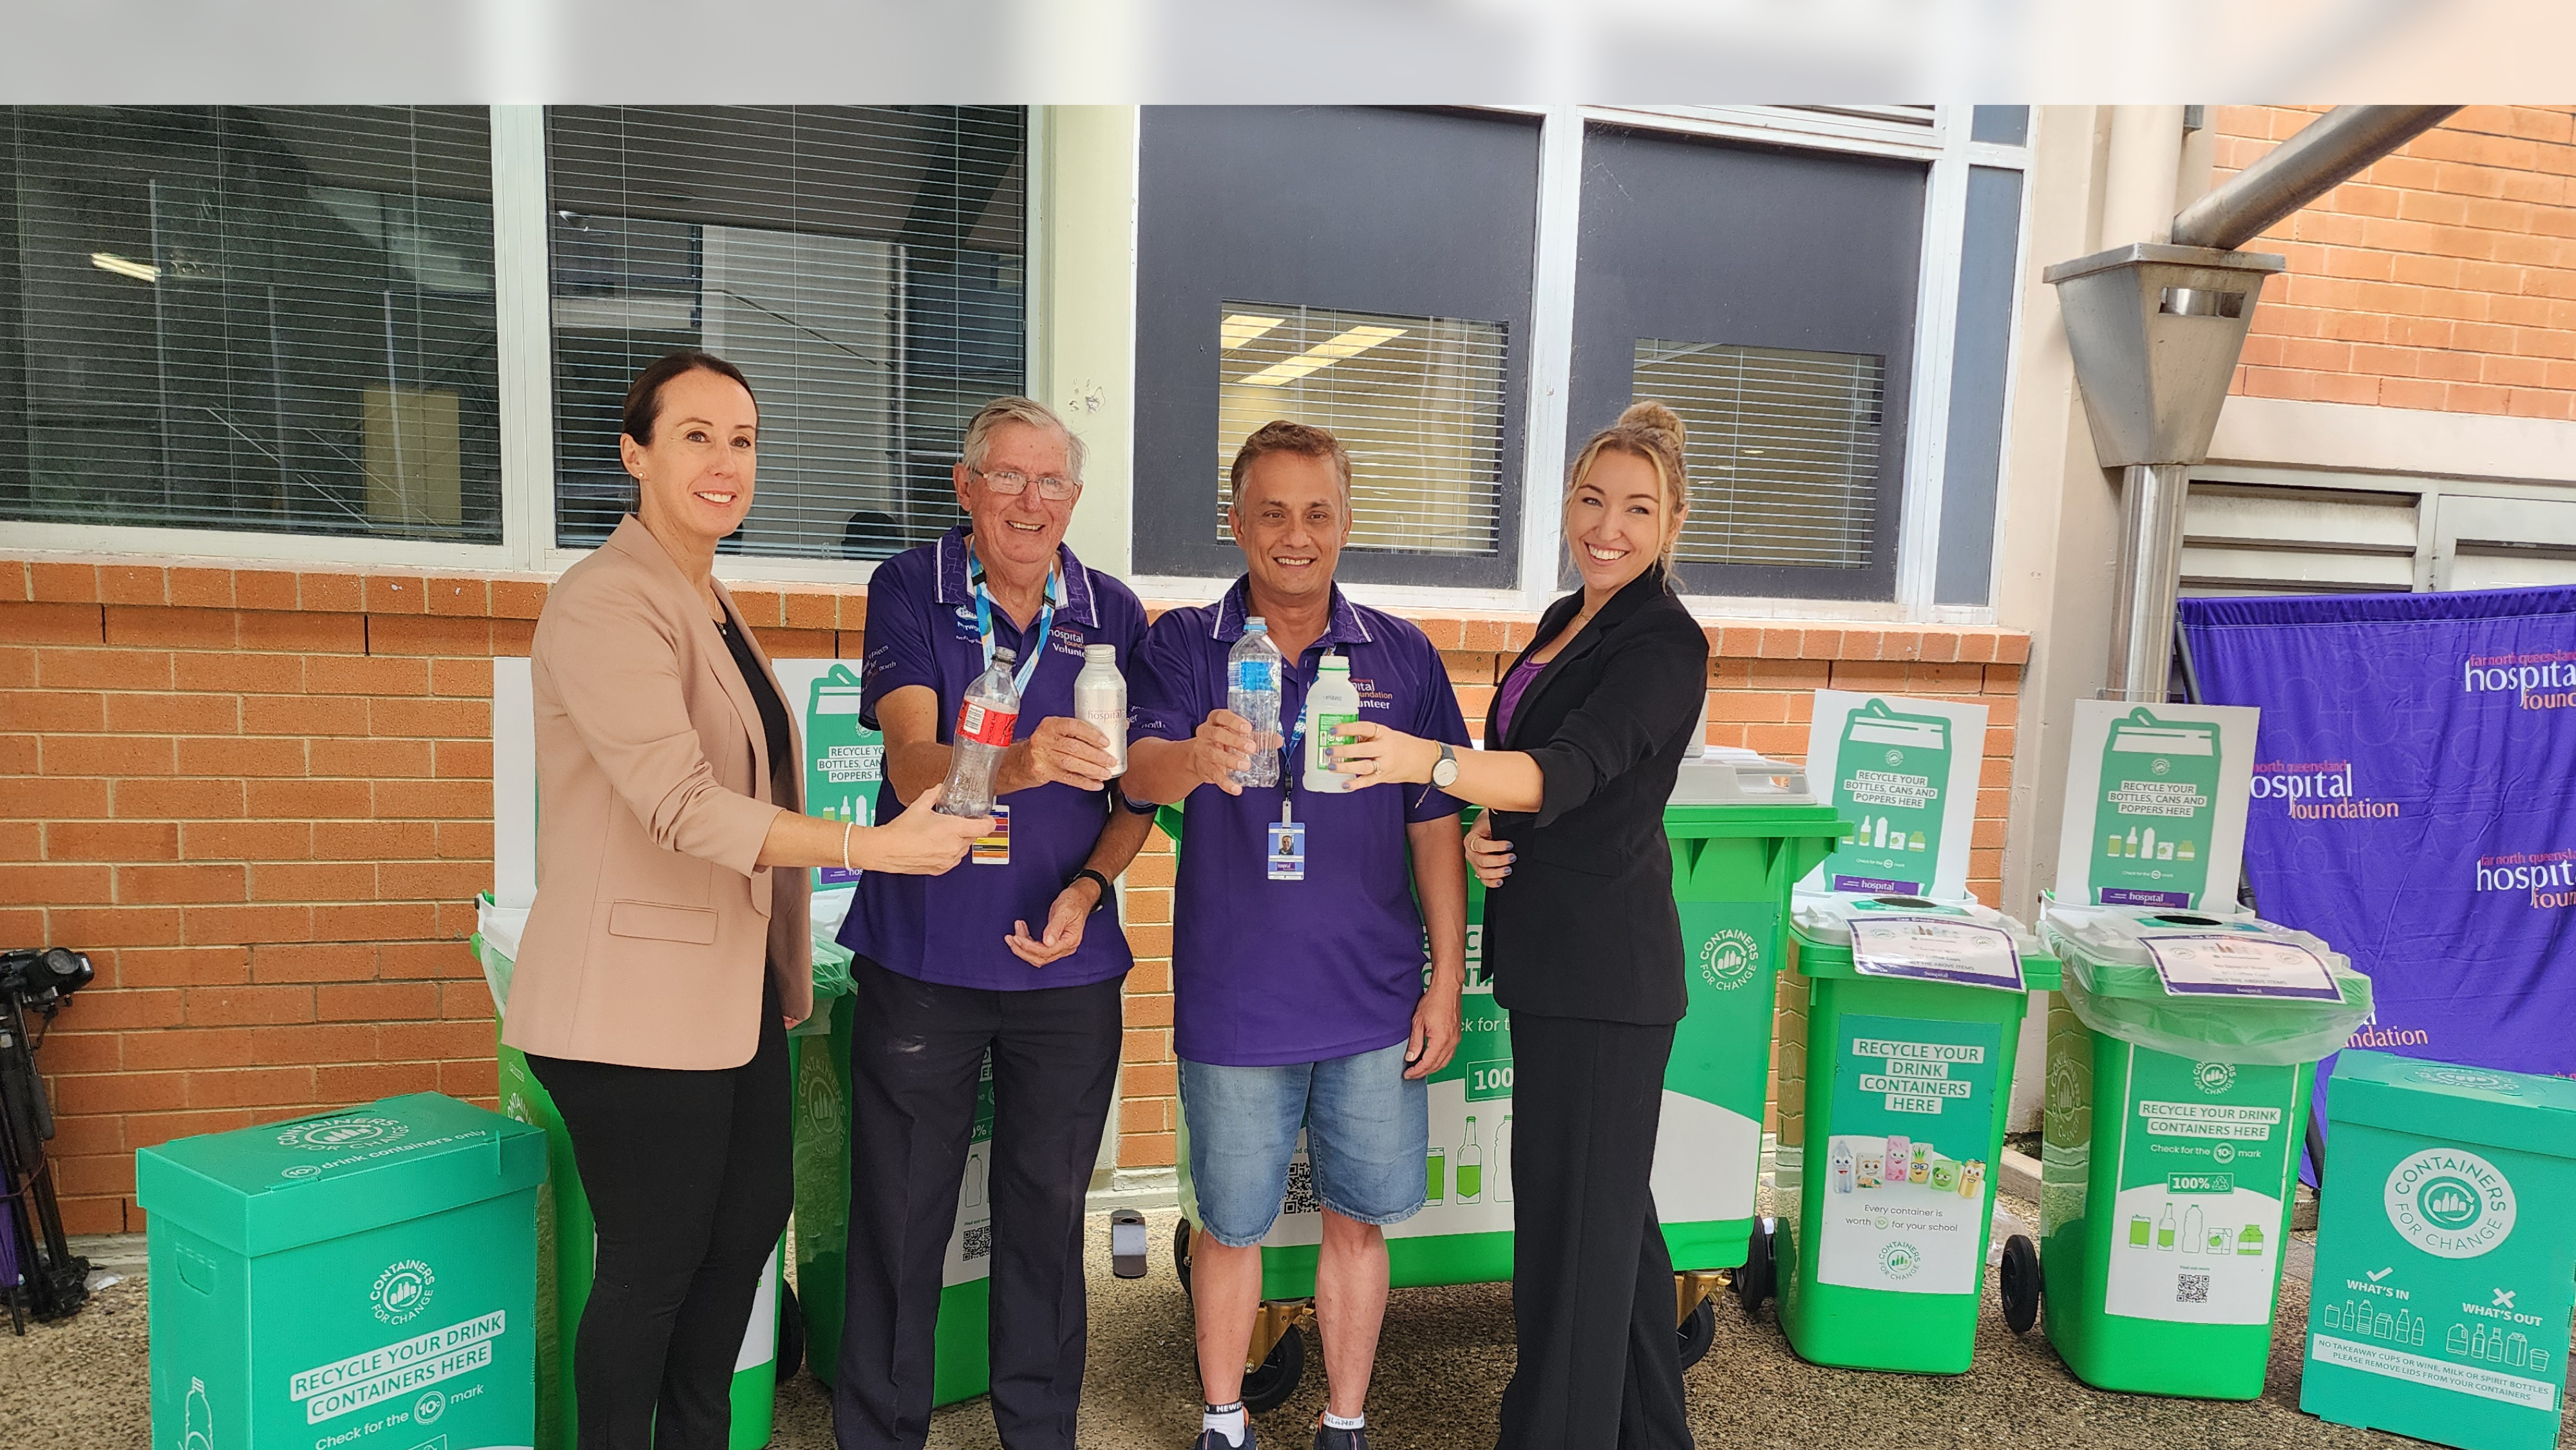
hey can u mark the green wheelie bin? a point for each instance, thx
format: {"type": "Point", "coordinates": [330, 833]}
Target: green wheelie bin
{"type": "Point", "coordinates": [363, 1278]}
{"type": "Point", "coordinates": [1910, 1041]}
{"type": "Point", "coordinates": [2170, 1150]}
{"type": "Point", "coordinates": [1743, 830]}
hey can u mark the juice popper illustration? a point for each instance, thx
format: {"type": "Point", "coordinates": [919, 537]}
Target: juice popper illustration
{"type": "Point", "coordinates": [1866, 1168]}
{"type": "Point", "coordinates": [1919, 1170]}
{"type": "Point", "coordinates": [1892, 768]}
{"type": "Point", "coordinates": [2159, 804]}
{"type": "Point", "coordinates": [1843, 1171]}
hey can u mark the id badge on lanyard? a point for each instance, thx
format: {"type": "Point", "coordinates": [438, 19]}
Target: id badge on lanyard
{"type": "Point", "coordinates": [1287, 845]}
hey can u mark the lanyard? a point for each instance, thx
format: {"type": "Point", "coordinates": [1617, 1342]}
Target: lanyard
{"type": "Point", "coordinates": [984, 622]}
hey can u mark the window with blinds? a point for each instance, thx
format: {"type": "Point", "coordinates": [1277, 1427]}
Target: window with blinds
{"type": "Point", "coordinates": [1783, 451]}
{"type": "Point", "coordinates": [249, 317]}
{"type": "Point", "coordinates": [861, 264]}
{"type": "Point", "coordinates": [1418, 402]}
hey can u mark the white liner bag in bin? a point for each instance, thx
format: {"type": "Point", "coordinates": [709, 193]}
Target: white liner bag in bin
{"type": "Point", "coordinates": [2112, 985]}
{"type": "Point", "coordinates": [497, 930]}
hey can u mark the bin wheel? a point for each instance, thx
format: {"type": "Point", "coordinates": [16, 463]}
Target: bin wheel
{"type": "Point", "coordinates": [1759, 1278]}
{"type": "Point", "coordinates": [1698, 1332]}
{"type": "Point", "coordinates": [2020, 1284]}
{"type": "Point", "coordinates": [1267, 1388]}
{"type": "Point", "coordinates": [791, 1333]}
{"type": "Point", "coordinates": [1182, 1233]}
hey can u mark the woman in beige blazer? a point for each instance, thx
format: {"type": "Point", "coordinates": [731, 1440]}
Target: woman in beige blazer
{"type": "Point", "coordinates": [668, 948]}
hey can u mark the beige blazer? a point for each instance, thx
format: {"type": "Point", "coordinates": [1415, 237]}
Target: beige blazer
{"type": "Point", "coordinates": [655, 790]}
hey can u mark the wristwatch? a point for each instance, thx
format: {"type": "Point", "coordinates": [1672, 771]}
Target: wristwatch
{"type": "Point", "coordinates": [1444, 772]}
{"type": "Point", "coordinates": [1095, 876]}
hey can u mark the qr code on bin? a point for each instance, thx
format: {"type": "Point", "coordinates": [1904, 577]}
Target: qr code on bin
{"type": "Point", "coordinates": [1300, 1197]}
{"type": "Point", "coordinates": [979, 1241]}
{"type": "Point", "coordinates": [2191, 1288]}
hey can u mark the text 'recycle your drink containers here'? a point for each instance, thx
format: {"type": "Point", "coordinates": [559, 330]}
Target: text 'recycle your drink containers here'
{"type": "Point", "coordinates": [1252, 691]}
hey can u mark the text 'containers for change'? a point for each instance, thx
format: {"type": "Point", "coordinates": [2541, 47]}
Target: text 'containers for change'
{"type": "Point", "coordinates": [2179, 1057]}
{"type": "Point", "coordinates": [362, 1279]}
{"type": "Point", "coordinates": [2446, 1254]}
{"type": "Point", "coordinates": [1913, 1011]}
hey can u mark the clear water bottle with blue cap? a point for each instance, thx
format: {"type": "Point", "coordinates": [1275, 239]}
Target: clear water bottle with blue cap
{"type": "Point", "coordinates": [1252, 691]}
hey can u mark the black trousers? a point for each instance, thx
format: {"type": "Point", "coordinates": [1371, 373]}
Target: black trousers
{"type": "Point", "coordinates": [1592, 1284]}
{"type": "Point", "coordinates": [690, 1183]}
{"type": "Point", "coordinates": [915, 1058]}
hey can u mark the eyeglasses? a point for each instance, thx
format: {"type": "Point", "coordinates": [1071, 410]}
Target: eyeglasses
{"type": "Point", "coordinates": [1054, 487]}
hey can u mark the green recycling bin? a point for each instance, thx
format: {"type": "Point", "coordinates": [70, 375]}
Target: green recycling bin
{"type": "Point", "coordinates": [962, 1353]}
{"type": "Point", "coordinates": [1909, 1056]}
{"type": "Point", "coordinates": [565, 1232]}
{"type": "Point", "coordinates": [2171, 1147]}
{"type": "Point", "coordinates": [1743, 830]}
{"type": "Point", "coordinates": [2446, 1253]}
{"type": "Point", "coordinates": [362, 1279]}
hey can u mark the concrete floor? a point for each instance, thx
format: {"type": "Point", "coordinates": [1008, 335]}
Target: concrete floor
{"type": "Point", "coordinates": [81, 1385]}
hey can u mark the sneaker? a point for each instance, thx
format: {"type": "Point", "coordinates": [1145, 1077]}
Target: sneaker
{"type": "Point", "coordinates": [1328, 1438]}
{"type": "Point", "coordinates": [1211, 1440]}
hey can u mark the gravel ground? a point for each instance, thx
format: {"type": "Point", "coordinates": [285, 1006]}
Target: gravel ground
{"type": "Point", "coordinates": [1445, 1357]}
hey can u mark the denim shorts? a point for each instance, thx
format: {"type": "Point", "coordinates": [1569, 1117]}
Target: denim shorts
{"type": "Point", "coordinates": [1368, 1131]}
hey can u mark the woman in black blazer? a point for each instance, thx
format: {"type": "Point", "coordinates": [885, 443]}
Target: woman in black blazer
{"type": "Point", "coordinates": [1584, 944]}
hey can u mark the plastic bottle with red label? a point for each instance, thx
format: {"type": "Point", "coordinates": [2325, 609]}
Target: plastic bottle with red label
{"type": "Point", "coordinates": [985, 720]}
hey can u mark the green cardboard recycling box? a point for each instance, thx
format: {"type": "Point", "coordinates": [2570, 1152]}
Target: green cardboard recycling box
{"type": "Point", "coordinates": [363, 1279]}
{"type": "Point", "coordinates": [2446, 1253]}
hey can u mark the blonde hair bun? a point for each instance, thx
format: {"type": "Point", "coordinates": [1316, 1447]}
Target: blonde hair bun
{"type": "Point", "coordinates": [1647, 413]}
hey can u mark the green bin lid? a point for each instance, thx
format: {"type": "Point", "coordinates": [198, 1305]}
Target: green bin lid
{"type": "Point", "coordinates": [282, 1185]}
{"type": "Point", "coordinates": [1821, 923]}
{"type": "Point", "coordinates": [2452, 1103]}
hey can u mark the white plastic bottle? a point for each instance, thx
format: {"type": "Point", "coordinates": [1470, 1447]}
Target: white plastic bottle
{"type": "Point", "coordinates": [1100, 699]}
{"type": "Point", "coordinates": [1332, 704]}
{"type": "Point", "coordinates": [1252, 672]}
{"type": "Point", "coordinates": [986, 719]}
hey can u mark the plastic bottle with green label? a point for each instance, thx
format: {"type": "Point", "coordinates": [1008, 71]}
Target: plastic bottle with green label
{"type": "Point", "coordinates": [1332, 704]}
{"type": "Point", "coordinates": [1891, 775]}
{"type": "Point", "coordinates": [2157, 806]}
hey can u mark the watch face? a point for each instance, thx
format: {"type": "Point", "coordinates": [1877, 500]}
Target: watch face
{"type": "Point", "coordinates": [1445, 773]}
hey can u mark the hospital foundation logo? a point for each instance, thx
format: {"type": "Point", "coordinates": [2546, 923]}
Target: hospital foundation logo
{"type": "Point", "coordinates": [2450, 1203]}
{"type": "Point", "coordinates": [402, 1291]}
{"type": "Point", "coordinates": [1727, 960]}
{"type": "Point", "coordinates": [333, 1135]}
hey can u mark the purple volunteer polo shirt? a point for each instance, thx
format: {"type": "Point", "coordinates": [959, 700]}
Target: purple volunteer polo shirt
{"type": "Point", "coordinates": [950, 928]}
{"type": "Point", "coordinates": [1268, 972]}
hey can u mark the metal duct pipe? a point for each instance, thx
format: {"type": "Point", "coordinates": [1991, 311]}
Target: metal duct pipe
{"type": "Point", "coordinates": [2299, 170]}
{"type": "Point", "coordinates": [2142, 602]}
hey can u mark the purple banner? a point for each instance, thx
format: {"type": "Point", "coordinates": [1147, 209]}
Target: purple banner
{"type": "Point", "coordinates": [2413, 782]}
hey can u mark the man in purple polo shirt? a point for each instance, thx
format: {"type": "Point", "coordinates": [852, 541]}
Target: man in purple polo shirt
{"type": "Point", "coordinates": [1300, 1001]}
{"type": "Point", "coordinates": [1005, 957]}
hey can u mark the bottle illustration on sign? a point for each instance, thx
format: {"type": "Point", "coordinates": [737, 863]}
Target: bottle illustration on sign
{"type": "Point", "coordinates": [2249, 1242]}
{"type": "Point", "coordinates": [1843, 1174]}
{"type": "Point", "coordinates": [2165, 1230]}
{"type": "Point", "coordinates": [977, 1176]}
{"type": "Point", "coordinates": [200, 1434]}
{"type": "Point", "coordinates": [1503, 1161]}
{"type": "Point", "coordinates": [2158, 801]}
{"type": "Point", "coordinates": [1471, 1166]}
{"type": "Point", "coordinates": [1895, 767]}
{"type": "Point", "coordinates": [1436, 1173]}
{"type": "Point", "coordinates": [2192, 1240]}
{"type": "Point", "coordinates": [2141, 1230]}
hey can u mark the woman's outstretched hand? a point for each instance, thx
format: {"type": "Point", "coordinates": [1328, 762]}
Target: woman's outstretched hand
{"type": "Point", "coordinates": [920, 842]}
{"type": "Point", "coordinates": [1374, 754]}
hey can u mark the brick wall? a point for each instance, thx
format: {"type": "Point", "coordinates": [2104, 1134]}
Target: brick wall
{"type": "Point", "coordinates": [2443, 277]}
{"type": "Point", "coordinates": [261, 801]}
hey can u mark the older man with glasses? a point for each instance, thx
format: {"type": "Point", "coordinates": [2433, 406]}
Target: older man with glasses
{"type": "Point", "coordinates": [1002, 954]}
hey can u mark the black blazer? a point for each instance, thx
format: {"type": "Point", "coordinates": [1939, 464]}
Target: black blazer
{"type": "Point", "coordinates": [1585, 925]}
